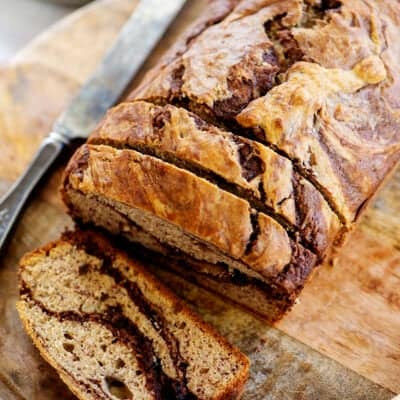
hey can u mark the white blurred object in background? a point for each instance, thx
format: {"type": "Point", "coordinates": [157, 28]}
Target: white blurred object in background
{"type": "Point", "coordinates": [21, 20]}
{"type": "Point", "coordinates": [70, 2]}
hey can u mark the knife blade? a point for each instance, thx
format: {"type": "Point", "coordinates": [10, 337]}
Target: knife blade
{"type": "Point", "coordinates": [134, 43]}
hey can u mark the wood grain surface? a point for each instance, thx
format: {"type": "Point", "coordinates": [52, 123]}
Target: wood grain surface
{"type": "Point", "coordinates": [342, 341]}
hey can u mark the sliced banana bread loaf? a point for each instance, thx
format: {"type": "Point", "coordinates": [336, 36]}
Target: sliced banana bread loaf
{"type": "Point", "coordinates": [250, 152]}
{"type": "Point", "coordinates": [112, 331]}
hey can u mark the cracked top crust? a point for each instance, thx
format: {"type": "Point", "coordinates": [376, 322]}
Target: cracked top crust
{"type": "Point", "coordinates": [312, 117]}
{"type": "Point", "coordinates": [282, 107]}
{"type": "Point", "coordinates": [316, 80]}
{"type": "Point", "coordinates": [224, 67]}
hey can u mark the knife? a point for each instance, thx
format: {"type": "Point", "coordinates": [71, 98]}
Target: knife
{"type": "Point", "coordinates": [134, 43]}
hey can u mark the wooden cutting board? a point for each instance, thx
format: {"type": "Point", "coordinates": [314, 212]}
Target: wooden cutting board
{"type": "Point", "coordinates": [342, 341]}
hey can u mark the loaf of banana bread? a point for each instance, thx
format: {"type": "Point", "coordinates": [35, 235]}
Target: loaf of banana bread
{"type": "Point", "coordinates": [246, 156]}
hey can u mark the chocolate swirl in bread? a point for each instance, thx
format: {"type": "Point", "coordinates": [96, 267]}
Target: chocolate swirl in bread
{"type": "Point", "coordinates": [97, 316]}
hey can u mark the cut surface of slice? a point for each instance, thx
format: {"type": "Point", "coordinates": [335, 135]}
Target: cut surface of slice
{"type": "Point", "coordinates": [112, 330]}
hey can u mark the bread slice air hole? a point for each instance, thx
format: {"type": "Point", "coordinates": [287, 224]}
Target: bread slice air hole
{"type": "Point", "coordinates": [117, 388]}
{"type": "Point", "coordinates": [181, 325]}
{"type": "Point", "coordinates": [68, 336]}
{"type": "Point", "coordinates": [68, 347]}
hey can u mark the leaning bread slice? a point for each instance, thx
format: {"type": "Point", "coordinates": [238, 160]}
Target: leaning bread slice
{"type": "Point", "coordinates": [112, 331]}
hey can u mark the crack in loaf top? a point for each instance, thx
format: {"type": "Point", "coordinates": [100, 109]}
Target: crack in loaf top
{"type": "Point", "coordinates": [317, 81]}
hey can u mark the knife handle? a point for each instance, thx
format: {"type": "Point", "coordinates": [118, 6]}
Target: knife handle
{"type": "Point", "coordinates": [13, 202]}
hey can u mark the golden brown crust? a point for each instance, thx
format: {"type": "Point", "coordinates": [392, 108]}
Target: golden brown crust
{"type": "Point", "coordinates": [271, 240]}
{"type": "Point", "coordinates": [172, 194]}
{"type": "Point", "coordinates": [255, 171]}
{"type": "Point", "coordinates": [236, 76]}
{"type": "Point", "coordinates": [176, 132]}
{"type": "Point", "coordinates": [181, 198]}
{"type": "Point", "coordinates": [351, 32]}
{"type": "Point", "coordinates": [335, 64]}
{"type": "Point", "coordinates": [214, 12]}
{"type": "Point", "coordinates": [311, 118]}
{"type": "Point", "coordinates": [82, 238]}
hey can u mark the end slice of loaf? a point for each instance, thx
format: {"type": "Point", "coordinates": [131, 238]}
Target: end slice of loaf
{"type": "Point", "coordinates": [112, 331]}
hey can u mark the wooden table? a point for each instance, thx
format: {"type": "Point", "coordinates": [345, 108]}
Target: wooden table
{"type": "Point", "coordinates": [342, 341]}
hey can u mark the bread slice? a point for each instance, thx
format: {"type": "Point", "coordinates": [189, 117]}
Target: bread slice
{"type": "Point", "coordinates": [114, 332]}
